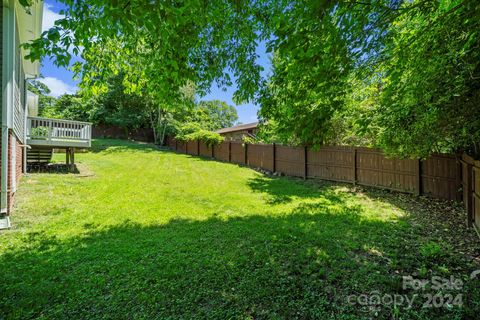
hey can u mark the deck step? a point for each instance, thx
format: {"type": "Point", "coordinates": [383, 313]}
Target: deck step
{"type": "Point", "coordinates": [4, 222]}
{"type": "Point", "coordinates": [39, 155]}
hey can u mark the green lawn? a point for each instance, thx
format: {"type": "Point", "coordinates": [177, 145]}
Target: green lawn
{"type": "Point", "coordinates": [145, 233]}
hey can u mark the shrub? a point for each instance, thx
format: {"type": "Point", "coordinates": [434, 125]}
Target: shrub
{"type": "Point", "coordinates": [431, 250]}
{"type": "Point", "coordinates": [191, 131]}
{"type": "Point", "coordinates": [39, 132]}
{"type": "Point", "coordinates": [248, 140]}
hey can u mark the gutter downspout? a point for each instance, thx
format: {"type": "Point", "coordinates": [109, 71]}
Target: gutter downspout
{"type": "Point", "coordinates": [8, 52]}
{"type": "Point", "coordinates": [7, 74]}
{"type": "Point", "coordinates": [4, 173]}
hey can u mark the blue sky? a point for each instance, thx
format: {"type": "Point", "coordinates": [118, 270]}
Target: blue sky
{"type": "Point", "coordinates": [60, 80]}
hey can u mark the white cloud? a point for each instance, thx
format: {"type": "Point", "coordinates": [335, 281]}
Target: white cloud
{"type": "Point", "coordinates": [48, 21]}
{"type": "Point", "coordinates": [49, 17]}
{"type": "Point", "coordinates": [57, 86]}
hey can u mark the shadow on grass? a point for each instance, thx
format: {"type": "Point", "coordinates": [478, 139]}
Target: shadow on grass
{"type": "Point", "coordinates": [54, 168]}
{"type": "Point", "coordinates": [282, 190]}
{"type": "Point", "coordinates": [302, 265]}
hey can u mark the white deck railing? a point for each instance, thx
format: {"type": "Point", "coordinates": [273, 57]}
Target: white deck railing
{"type": "Point", "coordinates": [58, 132]}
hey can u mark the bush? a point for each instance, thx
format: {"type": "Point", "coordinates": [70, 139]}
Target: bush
{"type": "Point", "coordinates": [39, 133]}
{"type": "Point", "coordinates": [191, 131]}
{"type": "Point", "coordinates": [248, 140]}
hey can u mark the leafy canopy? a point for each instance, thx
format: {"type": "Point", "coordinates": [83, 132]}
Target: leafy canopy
{"type": "Point", "coordinates": [402, 75]}
{"type": "Point", "coordinates": [161, 45]}
{"type": "Point", "coordinates": [192, 131]}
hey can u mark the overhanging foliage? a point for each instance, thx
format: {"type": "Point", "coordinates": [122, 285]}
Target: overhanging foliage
{"type": "Point", "coordinates": [401, 75]}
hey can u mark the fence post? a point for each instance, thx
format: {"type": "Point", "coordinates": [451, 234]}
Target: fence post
{"type": "Point", "coordinates": [305, 166]}
{"type": "Point", "coordinates": [458, 178]}
{"type": "Point", "coordinates": [470, 177]}
{"type": "Point", "coordinates": [474, 198]}
{"type": "Point", "coordinates": [245, 151]}
{"type": "Point", "coordinates": [467, 164]}
{"type": "Point", "coordinates": [229, 151]}
{"type": "Point", "coordinates": [176, 145]}
{"type": "Point", "coordinates": [273, 157]}
{"type": "Point", "coordinates": [213, 151]}
{"type": "Point", "coordinates": [354, 166]}
{"type": "Point", "coordinates": [198, 147]}
{"type": "Point", "coordinates": [418, 177]}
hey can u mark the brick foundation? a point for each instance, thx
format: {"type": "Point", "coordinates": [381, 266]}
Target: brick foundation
{"type": "Point", "coordinates": [14, 147]}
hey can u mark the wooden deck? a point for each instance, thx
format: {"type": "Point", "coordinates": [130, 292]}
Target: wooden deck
{"type": "Point", "coordinates": [58, 133]}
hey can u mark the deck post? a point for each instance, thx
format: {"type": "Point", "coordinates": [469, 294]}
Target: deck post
{"type": "Point", "coordinates": [67, 156]}
{"type": "Point", "coordinates": [72, 157]}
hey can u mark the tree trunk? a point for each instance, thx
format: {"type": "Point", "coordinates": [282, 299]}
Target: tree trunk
{"type": "Point", "coordinates": [163, 132]}
{"type": "Point", "coordinates": [152, 123]}
{"type": "Point", "coordinates": [159, 124]}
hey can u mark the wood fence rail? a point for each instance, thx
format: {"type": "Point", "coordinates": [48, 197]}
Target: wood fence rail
{"type": "Point", "coordinates": [443, 176]}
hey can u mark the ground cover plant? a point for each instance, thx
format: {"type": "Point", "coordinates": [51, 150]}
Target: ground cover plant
{"type": "Point", "coordinates": [140, 232]}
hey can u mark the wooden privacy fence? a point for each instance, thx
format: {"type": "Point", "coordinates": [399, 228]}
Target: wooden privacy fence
{"type": "Point", "coordinates": [441, 176]}
{"type": "Point", "coordinates": [471, 189]}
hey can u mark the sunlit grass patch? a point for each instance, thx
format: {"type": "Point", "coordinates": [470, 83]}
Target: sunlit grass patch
{"type": "Point", "coordinates": [155, 234]}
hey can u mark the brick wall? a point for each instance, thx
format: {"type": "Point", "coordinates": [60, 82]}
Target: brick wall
{"type": "Point", "coordinates": [14, 147]}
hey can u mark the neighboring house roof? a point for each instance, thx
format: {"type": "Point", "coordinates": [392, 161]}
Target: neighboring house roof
{"type": "Point", "coordinates": [240, 127]}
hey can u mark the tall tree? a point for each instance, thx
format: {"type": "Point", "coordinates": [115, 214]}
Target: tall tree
{"type": "Point", "coordinates": [430, 96]}
{"type": "Point", "coordinates": [215, 114]}
{"type": "Point", "coordinates": [418, 62]}
{"type": "Point", "coordinates": [45, 100]}
{"type": "Point", "coordinates": [161, 45]}
{"type": "Point", "coordinates": [406, 71]}
{"type": "Point", "coordinates": [68, 106]}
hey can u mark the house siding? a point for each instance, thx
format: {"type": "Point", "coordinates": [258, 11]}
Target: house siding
{"type": "Point", "coordinates": [15, 150]}
{"type": "Point", "coordinates": [238, 136]}
{"type": "Point", "coordinates": [18, 90]}
{"type": "Point", "coordinates": [1, 43]}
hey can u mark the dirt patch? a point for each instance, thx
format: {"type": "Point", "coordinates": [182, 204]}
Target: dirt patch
{"type": "Point", "coordinates": [84, 171]}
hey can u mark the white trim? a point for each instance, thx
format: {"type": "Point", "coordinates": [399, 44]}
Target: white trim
{"type": "Point", "coordinates": [7, 95]}
{"type": "Point", "coordinates": [29, 28]}
{"type": "Point", "coordinates": [8, 69]}
{"type": "Point", "coordinates": [61, 120]}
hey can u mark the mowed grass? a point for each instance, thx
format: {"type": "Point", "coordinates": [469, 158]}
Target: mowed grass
{"type": "Point", "coordinates": [142, 233]}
